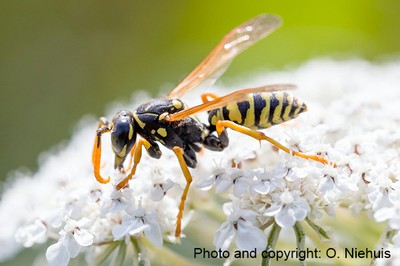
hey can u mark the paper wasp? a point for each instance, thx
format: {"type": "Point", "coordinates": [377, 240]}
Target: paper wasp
{"type": "Point", "coordinates": [167, 120]}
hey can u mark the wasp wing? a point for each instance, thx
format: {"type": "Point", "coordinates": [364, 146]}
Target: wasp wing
{"type": "Point", "coordinates": [236, 96]}
{"type": "Point", "coordinates": [236, 41]}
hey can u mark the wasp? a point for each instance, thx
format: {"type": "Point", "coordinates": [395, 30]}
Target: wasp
{"type": "Point", "coordinates": [170, 122]}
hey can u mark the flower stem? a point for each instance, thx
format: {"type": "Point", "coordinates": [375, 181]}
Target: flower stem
{"type": "Point", "coordinates": [319, 230]}
{"type": "Point", "coordinates": [272, 239]}
{"type": "Point", "coordinates": [140, 253]}
{"type": "Point", "coordinates": [300, 237]}
{"type": "Point", "coordinates": [105, 252]}
{"type": "Point", "coordinates": [119, 257]}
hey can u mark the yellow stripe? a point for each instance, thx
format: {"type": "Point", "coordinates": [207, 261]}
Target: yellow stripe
{"type": "Point", "coordinates": [162, 132]}
{"type": "Point", "coordinates": [296, 112]}
{"type": "Point", "coordinates": [234, 113]}
{"type": "Point", "coordinates": [176, 103]}
{"type": "Point", "coordinates": [264, 123]}
{"type": "Point", "coordinates": [276, 119]}
{"type": "Point", "coordinates": [250, 116]}
{"type": "Point", "coordinates": [214, 120]}
{"type": "Point", "coordinates": [148, 107]}
{"type": "Point", "coordinates": [123, 152]}
{"type": "Point", "coordinates": [130, 132]}
{"type": "Point", "coordinates": [162, 116]}
{"type": "Point", "coordinates": [286, 116]}
{"type": "Point", "coordinates": [141, 124]}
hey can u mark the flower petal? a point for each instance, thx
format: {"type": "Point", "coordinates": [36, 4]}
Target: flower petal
{"type": "Point", "coordinates": [285, 218]}
{"type": "Point", "coordinates": [83, 237]}
{"type": "Point", "coordinates": [57, 255]}
{"type": "Point", "coordinates": [224, 236]}
{"type": "Point", "coordinates": [250, 237]}
{"type": "Point", "coordinates": [153, 233]}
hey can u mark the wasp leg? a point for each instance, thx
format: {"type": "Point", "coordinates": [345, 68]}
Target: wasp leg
{"type": "Point", "coordinates": [132, 153]}
{"type": "Point", "coordinates": [102, 127]}
{"type": "Point", "coordinates": [137, 150]}
{"type": "Point", "coordinates": [205, 96]}
{"type": "Point", "coordinates": [153, 151]}
{"type": "Point", "coordinates": [222, 124]}
{"type": "Point", "coordinates": [179, 154]}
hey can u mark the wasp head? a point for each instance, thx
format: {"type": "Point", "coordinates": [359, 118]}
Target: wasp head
{"type": "Point", "coordinates": [123, 136]}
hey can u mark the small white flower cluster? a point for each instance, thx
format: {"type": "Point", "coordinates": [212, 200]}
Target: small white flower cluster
{"type": "Point", "coordinates": [266, 185]}
{"type": "Point", "coordinates": [63, 201]}
{"type": "Point", "coordinates": [353, 120]}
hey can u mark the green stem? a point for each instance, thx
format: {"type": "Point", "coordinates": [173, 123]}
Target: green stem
{"type": "Point", "coordinates": [140, 253]}
{"type": "Point", "coordinates": [119, 257]}
{"type": "Point", "coordinates": [106, 251]}
{"type": "Point", "coordinates": [272, 239]}
{"type": "Point", "coordinates": [319, 230]}
{"type": "Point", "coordinates": [300, 237]}
{"type": "Point", "coordinates": [267, 224]}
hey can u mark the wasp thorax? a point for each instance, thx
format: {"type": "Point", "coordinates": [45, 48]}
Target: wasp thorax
{"type": "Point", "coordinates": [123, 134]}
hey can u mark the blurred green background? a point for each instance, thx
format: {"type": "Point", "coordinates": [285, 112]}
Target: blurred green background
{"type": "Point", "coordinates": [61, 60]}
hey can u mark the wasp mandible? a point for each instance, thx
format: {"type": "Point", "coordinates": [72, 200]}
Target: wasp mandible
{"type": "Point", "coordinates": [167, 121]}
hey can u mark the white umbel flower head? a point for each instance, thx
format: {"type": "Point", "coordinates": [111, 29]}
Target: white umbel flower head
{"type": "Point", "coordinates": [353, 120]}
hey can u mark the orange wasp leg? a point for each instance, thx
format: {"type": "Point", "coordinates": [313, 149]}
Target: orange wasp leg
{"type": "Point", "coordinates": [132, 153]}
{"type": "Point", "coordinates": [179, 154]}
{"type": "Point", "coordinates": [96, 154]}
{"type": "Point", "coordinates": [137, 150]}
{"type": "Point", "coordinates": [222, 124]}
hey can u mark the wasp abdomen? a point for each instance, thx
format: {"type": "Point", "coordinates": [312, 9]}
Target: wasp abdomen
{"type": "Point", "coordinates": [260, 110]}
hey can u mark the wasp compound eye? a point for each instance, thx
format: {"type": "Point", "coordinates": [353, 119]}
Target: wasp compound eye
{"type": "Point", "coordinates": [122, 134]}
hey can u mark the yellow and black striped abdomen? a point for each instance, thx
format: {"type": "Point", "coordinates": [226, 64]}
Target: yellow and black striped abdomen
{"type": "Point", "coordinates": [260, 110]}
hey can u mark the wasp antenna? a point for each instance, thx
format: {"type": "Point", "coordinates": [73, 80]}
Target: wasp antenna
{"type": "Point", "coordinates": [102, 127]}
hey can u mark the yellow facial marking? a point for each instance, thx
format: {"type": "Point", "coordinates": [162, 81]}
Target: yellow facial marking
{"type": "Point", "coordinates": [162, 132]}
{"type": "Point", "coordinates": [130, 132]}
{"type": "Point", "coordinates": [123, 152]}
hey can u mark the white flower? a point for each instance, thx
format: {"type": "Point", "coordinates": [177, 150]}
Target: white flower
{"type": "Point", "coordinates": [116, 200]}
{"type": "Point", "coordinates": [239, 223]}
{"type": "Point", "coordinates": [383, 192]}
{"type": "Point", "coordinates": [32, 233]}
{"type": "Point", "coordinates": [265, 182]}
{"type": "Point", "coordinates": [160, 189]}
{"type": "Point", "coordinates": [390, 214]}
{"type": "Point", "coordinates": [137, 222]}
{"type": "Point", "coordinates": [396, 239]}
{"type": "Point", "coordinates": [73, 237]}
{"type": "Point", "coordinates": [289, 208]}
